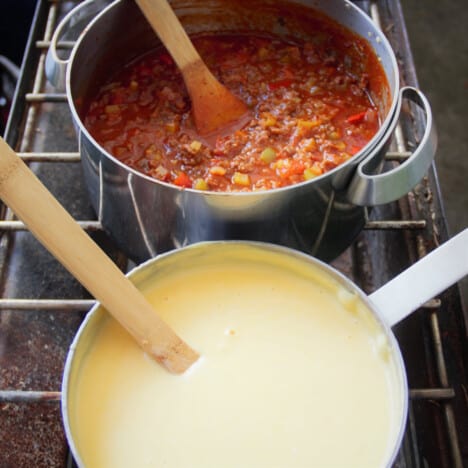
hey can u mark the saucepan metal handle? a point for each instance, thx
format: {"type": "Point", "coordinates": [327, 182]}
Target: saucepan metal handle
{"type": "Point", "coordinates": [70, 28]}
{"type": "Point", "coordinates": [369, 189]}
{"type": "Point", "coordinates": [428, 277]}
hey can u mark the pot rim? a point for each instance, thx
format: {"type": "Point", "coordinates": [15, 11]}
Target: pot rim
{"type": "Point", "coordinates": [138, 276]}
{"type": "Point", "coordinates": [374, 33]}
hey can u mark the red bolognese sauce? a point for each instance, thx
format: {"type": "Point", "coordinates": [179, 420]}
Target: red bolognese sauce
{"type": "Point", "coordinates": [309, 100]}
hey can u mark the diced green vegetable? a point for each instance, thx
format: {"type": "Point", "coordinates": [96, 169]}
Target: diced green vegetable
{"type": "Point", "coordinates": [240, 178]}
{"type": "Point", "coordinates": [268, 155]}
{"type": "Point", "coordinates": [311, 173]}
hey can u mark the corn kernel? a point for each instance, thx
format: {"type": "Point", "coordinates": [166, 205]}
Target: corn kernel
{"type": "Point", "coordinates": [282, 163]}
{"type": "Point", "coordinates": [268, 120]}
{"type": "Point", "coordinates": [217, 170]}
{"type": "Point", "coordinates": [200, 184]}
{"type": "Point", "coordinates": [172, 127]}
{"type": "Point", "coordinates": [112, 109]}
{"type": "Point", "coordinates": [309, 123]}
{"type": "Point", "coordinates": [133, 85]}
{"type": "Point", "coordinates": [195, 145]}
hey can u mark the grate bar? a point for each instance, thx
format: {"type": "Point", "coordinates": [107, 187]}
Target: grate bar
{"type": "Point", "coordinates": [28, 396]}
{"type": "Point", "coordinates": [47, 304]}
{"type": "Point", "coordinates": [13, 226]}
{"type": "Point", "coordinates": [396, 224]}
{"type": "Point", "coordinates": [397, 156]}
{"type": "Point", "coordinates": [50, 157]}
{"type": "Point", "coordinates": [60, 45]}
{"type": "Point", "coordinates": [448, 410]}
{"type": "Point", "coordinates": [432, 393]}
{"type": "Point", "coordinates": [432, 304]}
{"type": "Point", "coordinates": [46, 97]}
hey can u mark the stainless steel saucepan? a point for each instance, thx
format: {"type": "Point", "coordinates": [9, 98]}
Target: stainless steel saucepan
{"type": "Point", "coordinates": [388, 305]}
{"type": "Point", "coordinates": [146, 216]}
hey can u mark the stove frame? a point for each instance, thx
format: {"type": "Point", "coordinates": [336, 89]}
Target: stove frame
{"type": "Point", "coordinates": [41, 305]}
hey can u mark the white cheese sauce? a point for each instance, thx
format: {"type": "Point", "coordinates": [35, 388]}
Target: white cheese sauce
{"type": "Point", "coordinates": [295, 372]}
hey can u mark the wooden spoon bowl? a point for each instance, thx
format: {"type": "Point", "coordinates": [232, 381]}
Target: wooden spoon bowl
{"type": "Point", "coordinates": [216, 111]}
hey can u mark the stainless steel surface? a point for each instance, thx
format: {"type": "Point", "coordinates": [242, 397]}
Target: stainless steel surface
{"type": "Point", "coordinates": [146, 217]}
{"type": "Point", "coordinates": [368, 188]}
{"type": "Point", "coordinates": [42, 306]}
{"type": "Point", "coordinates": [434, 273]}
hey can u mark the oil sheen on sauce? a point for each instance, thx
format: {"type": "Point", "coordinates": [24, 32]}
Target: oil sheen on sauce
{"type": "Point", "coordinates": [294, 372]}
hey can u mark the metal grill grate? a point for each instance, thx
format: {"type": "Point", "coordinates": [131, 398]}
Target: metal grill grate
{"type": "Point", "coordinates": [40, 314]}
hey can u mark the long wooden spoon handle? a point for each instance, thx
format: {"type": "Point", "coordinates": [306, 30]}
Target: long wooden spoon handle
{"type": "Point", "coordinates": [22, 191]}
{"type": "Point", "coordinates": [162, 18]}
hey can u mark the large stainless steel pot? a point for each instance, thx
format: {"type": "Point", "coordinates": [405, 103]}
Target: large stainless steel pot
{"type": "Point", "coordinates": [146, 217]}
{"type": "Point", "coordinates": [389, 305]}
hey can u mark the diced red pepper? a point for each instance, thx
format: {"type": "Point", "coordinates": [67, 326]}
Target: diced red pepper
{"type": "Point", "coordinates": [355, 149]}
{"type": "Point", "coordinates": [294, 168]}
{"type": "Point", "coordinates": [183, 180]}
{"type": "Point", "coordinates": [297, 167]}
{"type": "Point", "coordinates": [356, 118]}
{"type": "Point", "coordinates": [284, 83]}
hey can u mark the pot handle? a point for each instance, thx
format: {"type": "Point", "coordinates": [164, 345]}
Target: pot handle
{"type": "Point", "coordinates": [428, 277]}
{"type": "Point", "coordinates": [72, 26]}
{"type": "Point", "coordinates": [368, 189]}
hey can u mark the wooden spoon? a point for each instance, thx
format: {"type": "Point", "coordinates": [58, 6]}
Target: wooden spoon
{"type": "Point", "coordinates": [216, 111]}
{"type": "Point", "coordinates": [51, 224]}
